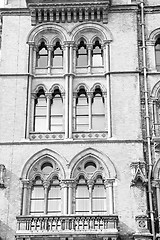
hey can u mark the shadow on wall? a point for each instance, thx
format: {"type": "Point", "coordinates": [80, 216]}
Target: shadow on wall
{"type": "Point", "coordinates": [126, 233]}
{"type": "Point", "coordinates": [6, 233]}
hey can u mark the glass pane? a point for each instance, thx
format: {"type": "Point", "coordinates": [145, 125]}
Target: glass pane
{"type": "Point", "coordinates": [40, 124]}
{"type": "Point", "coordinates": [82, 205]}
{"type": "Point", "coordinates": [99, 191]}
{"type": "Point", "coordinates": [82, 127]}
{"type": "Point", "coordinates": [97, 60]}
{"type": "Point", "coordinates": [97, 105]}
{"type": "Point", "coordinates": [56, 128]}
{"type": "Point", "coordinates": [57, 61]}
{"type": "Point", "coordinates": [38, 192]}
{"type": "Point", "coordinates": [54, 205]}
{"type": "Point", "coordinates": [37, 205]}
{"type": "Point", "coordinates": [99, 205]}
{"type": "Point", "coordinates": [42, 61]}
{"type": "Point", "coordinates": [40, 111]}
{"type": "Point", "coordinates": [57, 106]}
{"type": "Point", "coordinates": [41, 101]}
{"type": "Point", "coordinates": [158, 57]}
{"type": "Point", "coordinates": [82, 119]}
{"type": "Point", "coordinates": [98, 122]}
{"type": "Point", "coordinates": [82, 110]}
{"type": "Point", "coordinates": [158, 47]}
{"type": "Point", "coordinates": [56, 120]}
{"type": "Point", "coordinates": [82, 191]}
{"type": "Point", "coordinates": [82, 61]}
{"type": "Point", "coordinates": [54, 192]}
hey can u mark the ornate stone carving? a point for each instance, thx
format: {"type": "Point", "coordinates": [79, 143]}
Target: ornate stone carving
{"type": "Point", "coordinates": [69, 11]}
{"type": "Point", "coordinates": [139, 173]}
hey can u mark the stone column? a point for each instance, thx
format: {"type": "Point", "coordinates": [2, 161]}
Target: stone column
{"type": "Point", "coordinates": [89, 47]}
{"type": "Point", "coordinates": [74, 110]}
{"type": "Point", "coordinates": [49, 97]}
{"type": "Point", "coordinates": [90, 110]}
{"type": "Point", "coordinates": [49, 48]}
{"type": "Point", "coordinates": [64, 199]}
{"type": "Point", "coordinates": [70, 196]}
{"type": "Point", "coordinates": [109, 196]}
{"type": "Point", "coordinates": [90, 185]}
{"type": "Point", "coordinates": [70, 90]}
{"type": "Point", "coordinates": [66, 47]}
{"type": "Point", "coordinates": [108, 104]}
{"type": "Point", "coordinates": [46, 186]}
{"type": "Point", "coordinates": [30, 69]}
{"type": "Point", "coordinates": [25, 196]}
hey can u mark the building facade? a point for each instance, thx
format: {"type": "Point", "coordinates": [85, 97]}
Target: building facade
{"type": "Point", "coordinates": [79, 119]}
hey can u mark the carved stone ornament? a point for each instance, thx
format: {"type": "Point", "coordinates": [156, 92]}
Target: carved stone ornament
{"type": "Point", "coordinates": [138, 172]}
{"type": "Point", "coordinates": [68, 11]}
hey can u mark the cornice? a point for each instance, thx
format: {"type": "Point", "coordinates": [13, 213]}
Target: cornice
{"type": "Point", "coordinates": [152, 9]}
{"type": "Point", "coordinates": [14, 12]}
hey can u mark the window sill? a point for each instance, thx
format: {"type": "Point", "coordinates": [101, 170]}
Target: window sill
{"type": "Point", "coordinates": [93, 134]}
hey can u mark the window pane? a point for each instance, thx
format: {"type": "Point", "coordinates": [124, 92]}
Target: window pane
{"type": "Point", "coordinates": [82, 191]}
{"type": "Point", "coordinates": [57, 106]}
{"type": "Point", "coordinates": [82, 120]}
{"type": "Point", "coordinates": [97, 60]}
{"type": "Point", "coordinates": [158, 57]}
{"type": "Point", "coordinates": [40, 111]}
{"type": "Point", "coordinates": [37, 205]}
{"type": "Point", "coordinates": [56, 120]}
{"type": "Point", "coordinates": [57, 61]}
{"type": "Point", "coordinates": [41, 101]}
{"type": "Point", "coordinates": [54, 205]}
{"type": "Point", "coordinates": [99, 205]}
{"type": "Point", "coordinates": [38, 192]}
{"type": "Point", "coordinates": [40, 124]}
{"type": "Point", "coordinates": [82, 205]}
{"type": "Point", "coordinates": [42, 61]}
{"type": "Point", "coordinates": [82, 61]}
{"type": "Point", "coordinates": [82, 110]}
{"type": "Point", "coordinates": [54, 192]}
{"type": "Point", "coordinates": [98, 122]}
{"type": "Point", "coordinates": [99, 191]}
{"type": "Point", "coordinates": [97, 105]}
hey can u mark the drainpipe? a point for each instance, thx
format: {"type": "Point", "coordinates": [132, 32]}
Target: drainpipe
{"type": "Point", "coordinates": [147, 118]}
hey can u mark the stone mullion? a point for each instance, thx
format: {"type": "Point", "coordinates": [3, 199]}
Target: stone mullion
{"type": "Point", "coordinates": [64, 198]}
{"type": "Point", "coordinates": [90, 186]}
{"type": "Point", "coordinates": [70, 196]}
{"type": "Point", "coordinates": [66, 47]}
{"type": "Point", "coordinates": [49, 48]}
{"type": "Point", "coordinates": [25, 196]}
{"type": "Point", "coordinates": [48, 115]}
{"type": "Point", "coordinates": [74, 111]}
{"type": "Point", "coordinates": [46, 186]}
{"type": "Point", "coordinates": [32, 111]}
{"type": "Point", "coordinates": [105, 110]}
{"type": "Point", "coordinates": [89, 49]}
{"type": "Point", "coordinates": [109, 196]}
{"type": "Point", "coordinates": [90, 110]}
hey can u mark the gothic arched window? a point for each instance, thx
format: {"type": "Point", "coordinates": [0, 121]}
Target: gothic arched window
{"type": "Point", "coordinates": [42, 56]}
{"type": "Point", "coordinates": [40, 112]}
{"type": "Point", "coordinates": [82, 111]}
{"type": "Point", "coordinates": [157, 53]}
{"type": "Point", "coordinates": [98, 110]}
{"type": "Point", "coordinates": [97, 55]}
{"type": "Point", "coordinates": [82, 55]}
{"type": "Point", "coordinates": [57, 55]}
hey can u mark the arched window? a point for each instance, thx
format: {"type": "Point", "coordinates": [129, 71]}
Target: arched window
{"type": "Point", "coordinates": [37, 198]}
{"type": "Point", "coordinates": [98, 110]}
{"type": "Point", "coordinates": [42, 56]}
{"type": "Point", "coordinates": [97, 54]}
{"type": "Point", "coordinates": [157, 52]}
{"type": "Point", "coordinates": [82, 55]}
{"type": "Point", "coordinates": [57, 55]}
{"type": "Point", "coordinates": [40, 112]}
{"type": "Point", "coordinates": [54, 197]}
{"type": "Point", "coordinates": [99, 196]}
{"type": "Point", "coordinates": [82, 111]}
{"type": "Point", "coordinates": [56, 117]}
{"type": "Point", "coordinates": [82, 196]}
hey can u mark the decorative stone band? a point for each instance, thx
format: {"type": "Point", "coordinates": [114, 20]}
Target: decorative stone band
{"type": "Point", "coordinates": [142, 223]}
{"type": "Point", "coordinates": [69, 12]}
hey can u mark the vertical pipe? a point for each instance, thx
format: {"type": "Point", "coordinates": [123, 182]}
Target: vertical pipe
{"type": "Point", "coordinates": [147, 117]}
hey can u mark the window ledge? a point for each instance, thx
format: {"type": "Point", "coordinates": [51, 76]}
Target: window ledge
{"type": "Point", "coordinates": [46, 136]}
{"type": "Point", "coordinates": [90, 135]}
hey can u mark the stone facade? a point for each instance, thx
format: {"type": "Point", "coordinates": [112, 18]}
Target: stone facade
{"type": "Point", "coordinates": [127, 149]}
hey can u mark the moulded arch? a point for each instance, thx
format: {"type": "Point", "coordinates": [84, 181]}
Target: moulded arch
{"type": "Point", "coordinates": [156, 170]}
{"type": "Point", "coordinates": [55, 40]}
{"type": "Point", "coordinates": [42, 39]}
{"type": "Point", "coordinates": [95, 38]}
{"type": "Point", "coordinates": [81, 85]}
{"type": "Point", "coordinates": [39, 87]}
{"type": "Point", "coordinates": [82, 38]}
{"type": "Point", "coordinates": [98, 85]}
{"type": "Point", "coordinates": [154, 35]}
{"type": "Point", "coordinates": [155, 90]}
{"type": "Point", "coordinates": [91, 27]}
{"type": "Point", "coordinates": [90, 152]}
{"type": "Point", "coordinates": [40, 155]}
{"type": "Point", "coordinates": [56, 86]}
{"type": "Point", "coordinates": [44, 28]}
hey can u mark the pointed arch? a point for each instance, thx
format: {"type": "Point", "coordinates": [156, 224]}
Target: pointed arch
{"type": "Point", "coordinates": [90, 152]}
{"type": "Point", "coordinates": [98, 85]}
{"type": "Point", "coordinates": [55, 87]}
{"type": "Point", "coordinates": [80, 86]}
{"type": "Point", "coordinates": [42, 154]}
{"type": "Point", "coordinates": [40, 87]}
